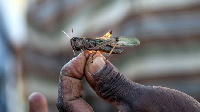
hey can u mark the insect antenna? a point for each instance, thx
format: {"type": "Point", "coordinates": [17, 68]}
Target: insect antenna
{"type": "Point", "coordinates": [67, 35]}
{"type": "Point", "coordinates": [72, 37]}
{"type": "Point", "coordinates": [72, 32]}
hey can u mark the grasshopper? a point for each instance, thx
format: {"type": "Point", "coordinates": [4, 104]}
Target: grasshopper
{"type": "Point", "coordinates": [105, 44]}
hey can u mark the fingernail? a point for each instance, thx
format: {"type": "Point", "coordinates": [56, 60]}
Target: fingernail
{"type": "Point", "coordinates": [96, 66]}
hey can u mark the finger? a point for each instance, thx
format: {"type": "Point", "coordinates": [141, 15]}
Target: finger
{"type": "Point", "coordinates": [107, 82]}
{"type": "Point", "coordinates": [37, 103]}
{"type": "Point", "coordinates": [70, 91]}
{"type": "Point", "coordinates": [128, 96]}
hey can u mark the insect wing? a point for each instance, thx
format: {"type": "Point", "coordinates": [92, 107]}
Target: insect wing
{"type": "Point", "coordinates": [127, 41]}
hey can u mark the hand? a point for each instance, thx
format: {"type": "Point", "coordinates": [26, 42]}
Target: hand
{"type": "Point", "coordinates": [111, 86]}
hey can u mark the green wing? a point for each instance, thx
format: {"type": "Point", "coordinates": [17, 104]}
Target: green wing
{"type": "Point", "coordinates": [127, 41]}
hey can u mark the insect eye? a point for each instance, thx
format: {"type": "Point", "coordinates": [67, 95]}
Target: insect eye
{"type": "Point", "coordinates": [75, 38]}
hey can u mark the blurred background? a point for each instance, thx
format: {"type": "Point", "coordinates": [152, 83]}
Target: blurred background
{"type": "Point", "coordinates": [33, 47]}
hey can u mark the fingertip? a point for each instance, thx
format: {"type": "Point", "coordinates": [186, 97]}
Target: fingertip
{"type": "Point", "coordinates": [35, 96]}
{"type": "Point", "coordinates": [37, 102]}
{"type": "Point", "coordinates": [75, 67]}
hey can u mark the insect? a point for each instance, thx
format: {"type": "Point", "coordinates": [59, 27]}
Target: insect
{"type": "Point", "coordinates": [105, 44]}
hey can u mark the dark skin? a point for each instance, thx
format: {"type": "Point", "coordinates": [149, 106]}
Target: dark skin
{"type": "Point", "coordinates": [113, 87]}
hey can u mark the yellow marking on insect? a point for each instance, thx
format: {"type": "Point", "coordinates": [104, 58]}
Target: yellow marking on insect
{"type": "Point", "coordinates": [107, 35]}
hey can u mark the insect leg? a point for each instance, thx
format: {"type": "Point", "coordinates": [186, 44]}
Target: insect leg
{"type": "Point", "coordinates": [74, 53]}
{"type": "Point", "coordinates": [93, 55]}
{"type": "Point", "coordinates": [107, 49]}
{"type": "Point", "coordinates": [84, 52]}
{"type": "Point", "coordinates": [111, 50]}
{"type": "Point", "coordinates": [117, 40]}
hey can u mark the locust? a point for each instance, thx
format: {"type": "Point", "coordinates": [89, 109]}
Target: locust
{"type": "Point", "coordinates": [104, 44]}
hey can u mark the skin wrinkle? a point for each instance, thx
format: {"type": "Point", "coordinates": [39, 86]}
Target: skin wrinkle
{"type": "Point", "coordinates": [60, 103]}
{"type": "Point", "coordinates": [63, 106]}
{"type": "Point", "coordinates": [114, 93]}
{"type": "Point", "coordinates": [167, 100]}
{"type": "Point", "coordinates": [153, 101]}
{"type": "Point", "coordinates": [114, 89]}
{"type": "Point", "coordinates": [71, 86]}
{"type": "Point", "coordinates": [72, 72]}
{"type": "Point", "coordinates": [75, 91]}
{"type": "Point", "coordinates": [175, 99]}
{"type": "Point", "coordinates": [105, 89]}
{"type": "Point", "coordinates": [117, 84]}
{"type": "Point", "coordinates": [106, 84]}
{"type": "Point", "coordinates": [110, 80]}
{"type": "Point", "coordinates": [102, 84]}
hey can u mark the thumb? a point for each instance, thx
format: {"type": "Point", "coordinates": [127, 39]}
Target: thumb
{"type": "Point", "coordinates": [128, 96]}
{"type": "Point", "coordinates": [108, 83]}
